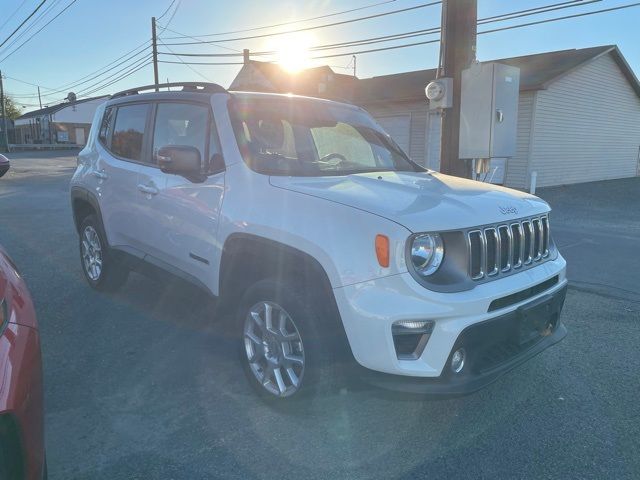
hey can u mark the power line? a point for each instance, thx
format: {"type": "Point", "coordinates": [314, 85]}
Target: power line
{"type": "Point", "coordinates": [201, 63]}
{"type": "Point", "coordinates": [141, 47]}
{"type": "Point", "coordinates": [33, 23]}
{"type": "Point", "coordinates": [194, 38]}
{"type": "Point", "coordinates": [511, 27]}
{"type": "Point", "coordinates": [621, 7]}
{"type": "Point", "coordinates": [135, 64]}
{"type": "Point", "coordinates": [570, 2]}
{"type": "Point", "coordinates": [284, 23]}
{"type": "Point", "coordinates": [124, 72]}
{"type": "Point", "coordinates": [128, 61]}
{"type": "Point", "coordinates": [23, 22]}
{"type": "Point", "coordinates": [13, 14]}
{"type": "Point", "coordinates": [167, 10]}
{"type": "Point", "coordinates": [412, 34]}
{"type": "Point", "coordinates": [435, 30]}
{"type": "Point", "coordinates": [39, 30]}
{"type": "Point", "coordinates": [326, 25]}
{"type": "Point", "coordinates": [172, 15]}
{"type": "Point", "coordinates": [128, 74]}
{"type": "Point", "coordinates": [21, 81]}
{"type": "Point", "coordinates": [95, 74]}
{"type": "Point", "coordinates": [187, 65]}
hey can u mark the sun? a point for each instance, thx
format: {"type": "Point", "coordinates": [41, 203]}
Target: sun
{"type": "Point", "coordinates": [292, 51]}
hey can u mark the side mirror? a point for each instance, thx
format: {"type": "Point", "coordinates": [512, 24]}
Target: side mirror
{"type": "Point", "coordinates": [180, 160]}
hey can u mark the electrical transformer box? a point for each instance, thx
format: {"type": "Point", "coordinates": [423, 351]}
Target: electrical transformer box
{"type": "Point", "coordinates": [489, 111]}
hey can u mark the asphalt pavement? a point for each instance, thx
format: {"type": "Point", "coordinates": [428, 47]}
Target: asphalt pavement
{"type": "Point", "coordinates": [144, 384]}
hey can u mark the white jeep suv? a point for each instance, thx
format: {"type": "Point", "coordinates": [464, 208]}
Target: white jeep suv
{"type": "Point", "coordinates": [307, 219]}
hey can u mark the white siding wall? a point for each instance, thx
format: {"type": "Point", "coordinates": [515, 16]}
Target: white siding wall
{"type": "Point", "coordinates": [418, 135]}
{"type": "Point", "coordinates": [517, 167]}
{"type": "Point", "coordinates": [587, 126]}
{"type": "Point", "coordinates": [79, 113]}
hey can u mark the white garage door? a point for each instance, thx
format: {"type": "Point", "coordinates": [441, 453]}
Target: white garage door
{"type": "Point", "coordinates": [399, 127]}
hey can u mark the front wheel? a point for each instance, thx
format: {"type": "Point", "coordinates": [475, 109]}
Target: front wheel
{"type": "Point", "coordinates": [283, 347]}
{"type": "Point", "coordinates": [100, 266]}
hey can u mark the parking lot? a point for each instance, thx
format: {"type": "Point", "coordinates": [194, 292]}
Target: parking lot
{"type": "Point", "coordinates": [145, 384]}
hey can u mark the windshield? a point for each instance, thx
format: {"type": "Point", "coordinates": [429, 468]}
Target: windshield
{"type": "Point", "coordinates": [304, 137]}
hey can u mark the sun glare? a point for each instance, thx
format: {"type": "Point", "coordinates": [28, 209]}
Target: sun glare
{"type": "Point", "coordinates": [293, 52]}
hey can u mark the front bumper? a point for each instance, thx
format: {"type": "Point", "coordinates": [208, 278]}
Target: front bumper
{"type": "Point", "coordinates": [491, 352]}
{"type": "Point", "coordinates": [369, 309]}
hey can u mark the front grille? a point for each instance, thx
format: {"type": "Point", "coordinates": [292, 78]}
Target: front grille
{"type": "Point", "coordinates": [502, 248]}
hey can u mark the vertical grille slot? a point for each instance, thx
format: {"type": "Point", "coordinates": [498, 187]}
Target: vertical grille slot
{"type": "Point", "coordinates": [506, 248]}
{"type": "Point", "coordinates": [493, 251]}
{"type": "Point", "coordinates": [476, 254]}
{"type": "Point", "coordinates": [536, 225]}
{"type": "Point", "coordinates": [497, 249]}
{"type": "Point", "coordinates": [516, 235]}
{"type": "Point", "coordinates": [527, 241]}
{"type": "Point", "coordinates": [545, 236]}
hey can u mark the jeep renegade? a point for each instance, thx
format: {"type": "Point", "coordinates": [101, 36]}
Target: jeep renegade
{"type": "Point", "coordinates": [308, 220]}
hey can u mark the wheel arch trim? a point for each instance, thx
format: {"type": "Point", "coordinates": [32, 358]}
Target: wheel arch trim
{"type": "Point", "coordinates": [80, 194]}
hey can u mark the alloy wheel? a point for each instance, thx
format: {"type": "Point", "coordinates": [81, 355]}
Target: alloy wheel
{"type": "Point", "coordinates": [274, 349]}
{"type": "Point", "coordinates": [91, 253]}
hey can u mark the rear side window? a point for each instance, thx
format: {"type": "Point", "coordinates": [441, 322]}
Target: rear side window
{"type": "Point", "coordinates": [106, 126]}
{"type": "Point", "coordinates": [181, 124]}
{"type": "Point", "coordinates": [128, 131]}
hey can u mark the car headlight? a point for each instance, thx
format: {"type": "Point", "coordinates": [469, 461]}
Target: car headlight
{"type": "Point", "coordinates": [427, 252]}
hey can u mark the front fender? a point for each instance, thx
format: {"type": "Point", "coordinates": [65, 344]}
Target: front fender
{"type": "Point", "coordinates": [339, 237]}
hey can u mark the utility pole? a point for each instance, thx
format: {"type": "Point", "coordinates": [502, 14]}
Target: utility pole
{"type": "Point", "coordinates": [5, 133]}
{"type": "Point", "coordinates": [39, 99]}
{"type": "Point", "coordinates": [459, 29]}
{"type": "Point", "coordinates": [154, 43]}
{"type": "Point", "coordinates": [354, 66]}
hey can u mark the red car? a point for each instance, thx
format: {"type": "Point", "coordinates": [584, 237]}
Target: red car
{"type": "Point", "coordinates": [4, 165]}
{"type": "Point", "coordinates": [21, 404]}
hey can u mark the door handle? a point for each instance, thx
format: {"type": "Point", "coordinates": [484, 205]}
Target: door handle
{"type": "Point", "coordinates": [101, 174]}
{"type": "Point", "coordinates": [148, 189]}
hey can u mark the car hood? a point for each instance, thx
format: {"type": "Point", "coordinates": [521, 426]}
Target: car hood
{"type": "Point", "coordinates": [420, 201]}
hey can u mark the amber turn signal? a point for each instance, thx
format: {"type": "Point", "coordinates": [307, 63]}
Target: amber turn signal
{"type": "Point", "coordinates": [382, 250]}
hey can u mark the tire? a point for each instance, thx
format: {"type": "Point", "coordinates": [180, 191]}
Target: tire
{"type": "Point", "coordinates": [302, 322]}
{"type": "Point", "coordinates": [101, 267]}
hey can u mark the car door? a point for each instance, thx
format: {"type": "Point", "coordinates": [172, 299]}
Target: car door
{"type": "Point", "coordinates": [181, 215]}
{"type": "Point", "coordinates": [121, 143]}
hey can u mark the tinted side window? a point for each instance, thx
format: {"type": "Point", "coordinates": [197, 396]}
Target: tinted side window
{"type": "Point", "coordinates": [181, 124]}
{"type": "Point", "coordinates": [106, 126]}
{"type": "Point", "coordinates": [128, 131]}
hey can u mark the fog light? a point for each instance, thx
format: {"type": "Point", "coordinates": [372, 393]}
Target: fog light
{"type": "Point", "coordinates": [410, 337]}
{"type": "Point", "coordinates": [457, 360]}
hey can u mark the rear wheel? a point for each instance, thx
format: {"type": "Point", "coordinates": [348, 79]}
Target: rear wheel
{"type": "Point", "coordinates": [101, 267]}
{"type": "Point", "coordinates": [283, 348]}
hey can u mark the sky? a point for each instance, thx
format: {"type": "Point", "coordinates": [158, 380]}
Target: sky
{"type": "Point", "coordinates": [91, 34]}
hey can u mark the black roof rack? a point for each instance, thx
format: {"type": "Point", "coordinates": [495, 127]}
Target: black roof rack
{"type": "Point", "coordinates": [203, 87]}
